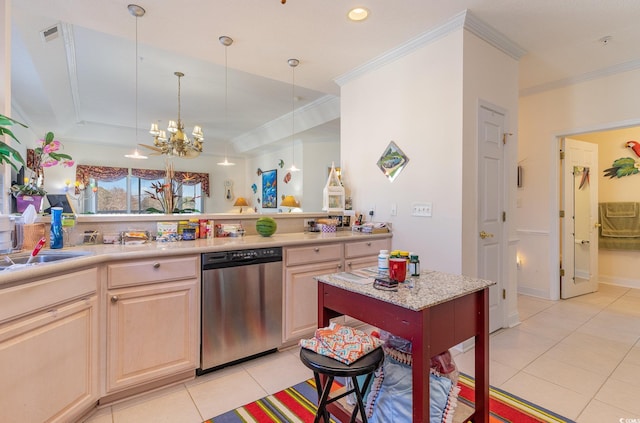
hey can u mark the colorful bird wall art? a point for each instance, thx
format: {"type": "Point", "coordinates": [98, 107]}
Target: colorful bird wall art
{"type": "Point", "coordinates": [625, 166]}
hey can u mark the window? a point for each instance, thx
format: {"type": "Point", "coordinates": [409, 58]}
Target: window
{"type": "Point", "coordinates": [123, 190]}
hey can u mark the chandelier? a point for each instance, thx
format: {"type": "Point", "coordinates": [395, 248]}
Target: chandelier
{"type": "Point", "coordinates": [178, 144]}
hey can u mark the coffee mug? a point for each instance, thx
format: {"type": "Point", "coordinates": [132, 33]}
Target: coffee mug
{"type": "Point", "coordinates": [397, 269]}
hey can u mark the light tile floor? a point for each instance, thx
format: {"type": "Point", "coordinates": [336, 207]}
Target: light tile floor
{"type": "Point", "coordinates": [579, 358]}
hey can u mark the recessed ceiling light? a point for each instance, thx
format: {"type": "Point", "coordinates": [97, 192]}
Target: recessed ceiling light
{"type": "Point", "coordinates": [358, 14]}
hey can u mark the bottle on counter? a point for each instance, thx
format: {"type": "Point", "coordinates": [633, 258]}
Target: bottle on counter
{"type": "Point", "coordinates": [414, 264]}
{"type": "Point", "coordinates": [383, 261]}
{"type": "Point", "coordinates": [56, 234]}
{"type": "Point", "coordinates": [405, 255]}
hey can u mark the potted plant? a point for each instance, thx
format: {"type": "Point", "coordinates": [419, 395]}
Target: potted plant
{"type": "Point", "coordinates": [47, 154]}
{"type": "Point", "coordinates": [7, 153]}
{"type": "Point", "coordinates": [28, 193]}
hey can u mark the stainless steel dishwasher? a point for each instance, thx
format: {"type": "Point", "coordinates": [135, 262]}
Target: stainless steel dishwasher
{"type": "Point", "coordinates": [241, 305]}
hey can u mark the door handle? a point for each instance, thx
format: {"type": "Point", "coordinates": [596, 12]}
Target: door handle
{"type": "Point", "coordinates": [597, 225]}
{"type": "Point", "coordinates": [484, 235]}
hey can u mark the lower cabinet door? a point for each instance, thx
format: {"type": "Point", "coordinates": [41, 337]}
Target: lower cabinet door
{"type": "Point", "coordinates": [49, 364]}
{"type": "Point", "coordinates": [301, 298]}
{"type": "Point", "coordinates": [152, 333]}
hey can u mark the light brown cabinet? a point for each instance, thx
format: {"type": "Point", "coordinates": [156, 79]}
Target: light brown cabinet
{"type": "Point", "coordinates": [49, 352]}
{"type": "Point", "coordinates": [303, 264]}
{"type": "Point", "coordinates": [152, 309]}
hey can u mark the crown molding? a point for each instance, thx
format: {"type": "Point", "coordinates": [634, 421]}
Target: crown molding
{"type": "Point", "coordinates": [463, 20]}
{"type": "Point", "coordinates": [589, 76]}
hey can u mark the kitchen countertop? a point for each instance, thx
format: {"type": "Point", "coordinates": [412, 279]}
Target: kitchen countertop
{"type": "Point", "coordinates": [416, 293]}
{"type": "Point", "coordinates": [110, 252]}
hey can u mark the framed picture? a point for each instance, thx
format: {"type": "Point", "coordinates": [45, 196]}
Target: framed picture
{"type": "Point", "coordinates": [392, 161]}
{"type": "Point", "coordinates": [270, 189]}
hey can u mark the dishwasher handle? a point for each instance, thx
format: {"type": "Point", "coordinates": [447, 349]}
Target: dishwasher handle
{"type": "Point", "coordinates": [221, 261]}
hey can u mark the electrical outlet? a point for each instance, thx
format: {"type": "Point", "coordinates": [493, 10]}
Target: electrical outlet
{"type": "Point", "coordinates": [421, 209]}
{"type": "Point", "coordinates": [394, 209]}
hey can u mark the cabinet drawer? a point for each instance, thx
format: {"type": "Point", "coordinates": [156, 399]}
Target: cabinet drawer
{"type": "Point", "coordinates": [40, 294]}
{"type": "Point", "coordinates": [366, 248]}
{"type": "Point", "coordinates": [152, 271]}
{"type": "Point", "coordinates": [314, 254]}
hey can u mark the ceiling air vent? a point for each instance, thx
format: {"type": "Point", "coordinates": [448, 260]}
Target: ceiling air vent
{"type": "Point", "coordinates": [50, 34]}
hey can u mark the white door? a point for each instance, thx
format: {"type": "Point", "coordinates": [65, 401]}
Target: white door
{"type": "Point", "coordinates": [491, 209]}
{"type": "Point", "coordinates": [579, 225]}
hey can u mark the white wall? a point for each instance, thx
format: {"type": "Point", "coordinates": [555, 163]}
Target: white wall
{"type": "Point", "coordinates": [587, 106]}
{"type": "Point", "coordinates": [427, 102]}
{"type": "Point", "coordinates": [415, 101]}
{"type": "Point", "coordinates": [318, 157]}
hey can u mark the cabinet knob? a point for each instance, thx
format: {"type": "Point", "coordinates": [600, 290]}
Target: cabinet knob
{"type": "Point", "coordinates": [114, 299]}
{"type": "Point", "coordinates": [156, 265]}
{"type": "Point", "coordinates": [339, 266]}
{"type": "Point", "coordinates": [349, 264]}
{"type": "Point", "coordinates": [316, 249]}
{"type": "Point", "coordinates": [369, 244]}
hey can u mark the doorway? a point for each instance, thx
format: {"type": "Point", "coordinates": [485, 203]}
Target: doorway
{"type": "Point", "coordinates": [612, 266]}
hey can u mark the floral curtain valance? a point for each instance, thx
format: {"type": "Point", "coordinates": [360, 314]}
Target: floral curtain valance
{"type": "Point", "coordinates": [187, 178]}
{"type": "Point", "coordinates": [107, 173]}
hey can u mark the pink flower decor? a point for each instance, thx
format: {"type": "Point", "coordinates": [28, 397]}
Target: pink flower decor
{"type": "Point", "coordinates": [48, 154]}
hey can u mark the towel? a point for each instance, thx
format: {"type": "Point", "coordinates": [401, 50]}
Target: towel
{"type": "Point", "coordinates": [621, 209]}
{"type": "Point", "coordinates": [620, 220]}
{"type": "Point", "coordinates": [341, 343]}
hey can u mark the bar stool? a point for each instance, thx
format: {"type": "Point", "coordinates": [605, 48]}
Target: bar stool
{"type": "Point", "coordinates": [326, 366]}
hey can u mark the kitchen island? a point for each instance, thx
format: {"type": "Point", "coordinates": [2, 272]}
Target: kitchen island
{"type": "Point", "coordinates": [435, 311]}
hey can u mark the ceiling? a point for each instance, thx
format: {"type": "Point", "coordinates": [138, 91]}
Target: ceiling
{"type": "Point", "coordinates": [83, 85]}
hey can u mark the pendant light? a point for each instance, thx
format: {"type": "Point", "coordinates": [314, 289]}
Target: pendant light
{"type": "Point", "coordinates": [226, 42]}
{"type": "Point", "coordinates": [293, 63]}
{"type": "Point", "coordinates": [137, 12]}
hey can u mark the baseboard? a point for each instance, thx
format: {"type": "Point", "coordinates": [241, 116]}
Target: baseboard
{"type": "Point", "coordinates": [533, 292]}
{"type": "Point", "coordinates": [612, 280]}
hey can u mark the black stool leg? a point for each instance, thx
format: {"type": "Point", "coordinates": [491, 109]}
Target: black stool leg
{"type": "Point", "coordinates": [323, 396]}
{"type": "Point", "coordinates": [358, 392]}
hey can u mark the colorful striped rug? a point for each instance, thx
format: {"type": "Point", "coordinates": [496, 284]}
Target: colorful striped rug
{"type": "Point", "coordinates": [505, 407]}
{"type": "Point", "coordinates": [297, 404]}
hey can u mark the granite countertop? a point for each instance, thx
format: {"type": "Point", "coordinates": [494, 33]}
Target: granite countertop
{"type": "Point", "coordinates": [416, 293]}
{"type": "Point", "coordinates": [97, 254]}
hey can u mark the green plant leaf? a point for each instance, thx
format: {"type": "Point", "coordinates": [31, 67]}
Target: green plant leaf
{"type": "Point", "coordinates": [7, 152]}
{"type": "Point", "coordinates": [60, 156]}
{"type": "Point", "coordinates": [7, 121]}
{"type": "Point", "coordinates": [49, 137]}
{"type": "Point", "coordinates": [8, 132]}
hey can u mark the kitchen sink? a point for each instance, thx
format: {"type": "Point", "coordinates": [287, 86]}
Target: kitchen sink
{"type": "Point", "coordinates": [42, 257]}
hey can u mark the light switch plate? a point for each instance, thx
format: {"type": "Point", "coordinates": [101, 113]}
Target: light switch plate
{"type": "Point", "coordinates": [421, 209]}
